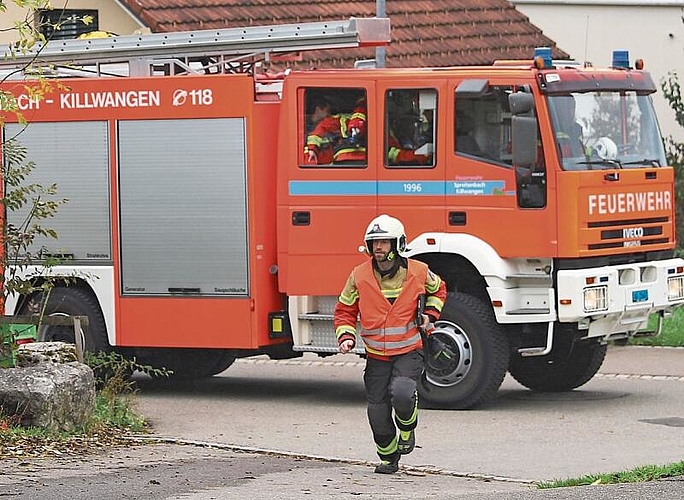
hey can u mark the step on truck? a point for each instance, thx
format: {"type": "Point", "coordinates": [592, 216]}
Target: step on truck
{"type": "Point", "coordinates": [198, 231]}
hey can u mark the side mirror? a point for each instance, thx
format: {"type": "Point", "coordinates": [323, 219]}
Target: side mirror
{"type": "Point", "coordinates": [521, 103]}
{"type": "Point", "coordinates": [523, 129]}
{"type": "Point", "coordinates": [524, 138]}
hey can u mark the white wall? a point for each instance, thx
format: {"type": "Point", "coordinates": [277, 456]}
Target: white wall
{"type": "Point", "coordinates": [591, 30]}
{"type": "Point", "coordinates": [111, 17]}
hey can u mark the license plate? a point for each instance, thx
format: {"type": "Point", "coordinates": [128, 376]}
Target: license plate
{"type": "Point", "coordinates": [639, 295]}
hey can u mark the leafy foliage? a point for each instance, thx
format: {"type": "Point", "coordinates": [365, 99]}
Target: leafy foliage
{"type": "Point", "coordinates": [35, 204]}
{"type": "Point", "coordinates": [31, 203]}
{"type": "Point", "coordinates": [29, 40]}
{"type": "Point", "coordinates": [675, 150]}
{"type": "Point", "coordinates": [115, 387]}
{"type": "Point", "coordinates": [113, 372]}
{"type": "Point", "coordinates": [22, 261]}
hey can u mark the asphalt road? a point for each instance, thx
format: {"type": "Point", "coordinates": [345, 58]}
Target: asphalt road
{"type": "Point", "coordinates": [629, 415]}
{"type": "Point", "coordinates": [297, 429]}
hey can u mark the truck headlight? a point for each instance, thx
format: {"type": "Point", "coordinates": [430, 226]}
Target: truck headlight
{"type": "Point", "coordinates": [675, 288]}
{"type": "Point", "coordinates": [596, 299]}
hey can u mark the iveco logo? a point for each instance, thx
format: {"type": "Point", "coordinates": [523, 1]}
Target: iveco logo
{"type": "Point", "coordinates": [633, 232]}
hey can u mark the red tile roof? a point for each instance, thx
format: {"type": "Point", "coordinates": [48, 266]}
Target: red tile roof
{"type": "Point", "coordinates": [424, 32]}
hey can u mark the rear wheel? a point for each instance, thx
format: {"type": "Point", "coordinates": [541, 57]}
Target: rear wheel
{"type": "Point", "coordinates": [478, 356]}
{"type": "Point", "coordinates": [70, 301]}
{"type": "Point", "coordinates": [562, 371]}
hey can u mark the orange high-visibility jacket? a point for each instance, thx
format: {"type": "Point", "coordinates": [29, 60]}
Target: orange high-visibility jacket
{"type": "Point", "coordinates": [389, 329]}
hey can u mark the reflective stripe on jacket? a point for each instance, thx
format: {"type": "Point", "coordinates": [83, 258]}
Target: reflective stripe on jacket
{"type": "Point", "coordinates": [389, 329]}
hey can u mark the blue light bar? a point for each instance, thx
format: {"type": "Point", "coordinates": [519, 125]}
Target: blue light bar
{"type": "Point", "coordinates": [545, 54]}
{"type": "Point", "coordinates": [621, 59]}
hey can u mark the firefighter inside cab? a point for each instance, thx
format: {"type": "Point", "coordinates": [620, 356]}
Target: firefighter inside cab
{"type": "Point", "coordinates": [569, 134]}
{"type": "Point", "coordinates": [336, 137]}
{"type": "Point", "coordinates": [410, 126]}
{"type": "Point", "coordinates": [336, 127]}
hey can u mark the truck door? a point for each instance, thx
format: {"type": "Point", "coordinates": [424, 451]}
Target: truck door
{"type": "Point", "coordinates": [331, 188]}
{"type": "Point", "coordinates": [411, 173]}
{"type": "Point", "coordinates": [487, 195]}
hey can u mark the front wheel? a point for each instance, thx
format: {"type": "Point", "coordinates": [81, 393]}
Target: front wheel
{"type": "Point", "coordinates": [478, 356]}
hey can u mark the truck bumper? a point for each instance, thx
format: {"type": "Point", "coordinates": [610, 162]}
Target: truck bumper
{"type": "Point", "coordinates": [619, 299]}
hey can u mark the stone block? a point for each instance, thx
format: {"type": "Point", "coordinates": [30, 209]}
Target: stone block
{"type": "Point", "coordinates": [48, 389]}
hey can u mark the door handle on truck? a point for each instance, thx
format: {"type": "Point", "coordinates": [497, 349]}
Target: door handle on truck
{"type": "Point", "coordinates": [184, 290]}
{"type": "Point", "coordinates": [457, 218]}
{"type": "Point", "coordinates": [301, 218]}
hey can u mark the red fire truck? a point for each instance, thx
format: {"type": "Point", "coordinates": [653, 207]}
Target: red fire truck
{"type": "Point", "coordinates": [198, 231]}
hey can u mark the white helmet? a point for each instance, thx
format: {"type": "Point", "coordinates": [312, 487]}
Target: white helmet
{"type": "Point", "coordinates": [605, 148]}
{"type": "Point", "coordinates": [384, 227]}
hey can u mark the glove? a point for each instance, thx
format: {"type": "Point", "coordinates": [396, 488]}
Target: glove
{"type": "Point", "coordinates": [439, 354]}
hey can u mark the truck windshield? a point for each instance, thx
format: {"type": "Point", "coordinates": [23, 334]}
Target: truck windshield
{"type": "Point", "coordinates": [606, 130]}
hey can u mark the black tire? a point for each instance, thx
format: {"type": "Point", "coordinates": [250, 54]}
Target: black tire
{"type": "Point", "coordinates": [559, 374]}
{"type": "Point", "coordinates": [475, 373]}
{"type": "Point", "coordinates": [189, 364]}
{"type": "Point", "coordinates": [70, 301]}
{"type": "Point", "coordinates": [224, 362]}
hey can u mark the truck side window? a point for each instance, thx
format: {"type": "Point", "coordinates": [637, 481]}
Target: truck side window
{"type": "Point", "coordinates": [410, 127]}
{"type": "Point", "coordinates": [483, 126]}
{"type": "Point", "coordinates": [335, 128]}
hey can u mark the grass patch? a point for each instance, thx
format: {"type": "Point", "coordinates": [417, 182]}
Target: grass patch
{"type": "Point", "coordinates": [117, 412]}
{"type": "Point", "coordinates": [637, 475]}
{"type": "Point", "coordinates": [672, 334]}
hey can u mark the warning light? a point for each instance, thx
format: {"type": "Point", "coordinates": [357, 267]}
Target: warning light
{"type": "Point", "coordinates": [542, 57]}
{"type": "Point", "coordinates": [621, 59]}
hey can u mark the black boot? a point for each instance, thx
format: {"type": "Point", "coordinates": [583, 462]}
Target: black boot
{"type": "Point", "coordinates": [405, 446]}
{"type": "Point", "coordinates": [389, 466]}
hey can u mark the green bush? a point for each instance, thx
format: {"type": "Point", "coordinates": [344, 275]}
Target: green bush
{"type": "Point", "coordinates": [675, 150]}
{"type": "Point", "coordinates": [115, 388]}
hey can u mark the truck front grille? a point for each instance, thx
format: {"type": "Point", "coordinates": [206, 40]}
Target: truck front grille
{"type": "Point", "coordinates": [629, 232]}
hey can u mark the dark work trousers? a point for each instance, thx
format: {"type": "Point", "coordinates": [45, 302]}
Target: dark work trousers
{"type": "Point", "coordinates": [392, 385]}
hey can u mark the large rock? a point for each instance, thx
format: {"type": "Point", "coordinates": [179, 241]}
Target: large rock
{"type": "Point", "coordinates": [45, 393]}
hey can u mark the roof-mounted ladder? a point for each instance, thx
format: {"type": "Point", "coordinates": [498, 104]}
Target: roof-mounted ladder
{"type": "Point", "coordinates": [222, 50]}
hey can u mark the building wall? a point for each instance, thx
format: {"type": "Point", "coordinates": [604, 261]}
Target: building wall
{"type": "Point", "coordinates": [591, 30]}
{"type": "Point", "coordinates": [112, 17]}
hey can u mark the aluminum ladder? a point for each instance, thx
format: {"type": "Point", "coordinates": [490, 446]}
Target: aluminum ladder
{"type": "Point", "coordinates": [221, 50]}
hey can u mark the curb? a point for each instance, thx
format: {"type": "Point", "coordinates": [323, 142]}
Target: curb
{"type": "Point", "coordinates": [421, 469]}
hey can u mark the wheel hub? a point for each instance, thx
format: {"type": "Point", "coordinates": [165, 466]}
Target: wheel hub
{"type": "Point", "coordinates": [452, 363]}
